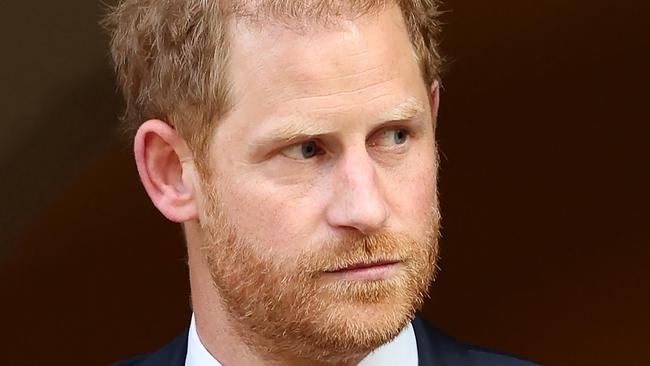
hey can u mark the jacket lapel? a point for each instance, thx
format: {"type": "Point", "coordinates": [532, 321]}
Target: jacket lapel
{"type": "Point", "coordinates": [437, 348]}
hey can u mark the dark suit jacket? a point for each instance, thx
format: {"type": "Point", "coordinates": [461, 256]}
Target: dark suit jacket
{"type": "Point", "coordinates": [435, 348]}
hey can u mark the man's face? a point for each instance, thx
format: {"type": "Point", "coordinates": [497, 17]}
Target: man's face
{"type": "Point", "coordinates": [327, 161]}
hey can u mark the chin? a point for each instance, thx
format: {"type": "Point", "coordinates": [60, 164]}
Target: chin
{"type": "Point", "coordinates": [357, 328]}
{"type": "Point", "coordinates": [356, 334]}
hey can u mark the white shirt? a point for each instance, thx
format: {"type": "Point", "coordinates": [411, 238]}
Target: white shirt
{"type": "Point", "coordinates": [402, 350]}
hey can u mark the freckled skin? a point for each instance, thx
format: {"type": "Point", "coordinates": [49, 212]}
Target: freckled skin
{"type": "Point", "coordinates": [341, 77]}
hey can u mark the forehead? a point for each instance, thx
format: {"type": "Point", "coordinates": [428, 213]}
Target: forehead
{"type": "Point", "coordinates": [365, 63]}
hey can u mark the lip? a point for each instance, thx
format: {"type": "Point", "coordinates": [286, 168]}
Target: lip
{"type": "Point", "coordinates": [366, 271]}
{"type": "Point", "coordinates": [358, 266]}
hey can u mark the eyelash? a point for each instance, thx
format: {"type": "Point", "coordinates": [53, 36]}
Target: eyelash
{"type": "Point", "coordinates": [410, 134]}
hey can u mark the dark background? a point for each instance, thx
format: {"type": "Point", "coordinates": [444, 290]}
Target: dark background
{"type": "Point", "coordinates": [545, 136]}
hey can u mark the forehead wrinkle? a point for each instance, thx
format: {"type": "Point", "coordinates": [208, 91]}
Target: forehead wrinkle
{"type": "Point", "coordinates": [340, 93]}
{"type": "Point", "coordinates": [353, 74]}
{"type": "Point", "coordinates": [354, 60]}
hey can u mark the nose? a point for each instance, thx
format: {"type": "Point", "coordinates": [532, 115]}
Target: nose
{"type": "Point", "coordinates": [357, 201]}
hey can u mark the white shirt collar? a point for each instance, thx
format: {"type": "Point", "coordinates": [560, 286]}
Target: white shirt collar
{"type": "Point", "coordinates": [197, 354]}
{"type": "Point", "coordinates": [402, 350]}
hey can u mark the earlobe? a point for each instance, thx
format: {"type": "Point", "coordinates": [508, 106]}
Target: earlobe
{"type": "Point", "coordinates": [161, 156]}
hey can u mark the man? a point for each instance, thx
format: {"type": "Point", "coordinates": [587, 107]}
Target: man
{"type": "Point", "coordinates": [294, 140]}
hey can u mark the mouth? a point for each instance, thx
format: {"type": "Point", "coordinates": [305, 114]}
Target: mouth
{"type": "Point", "coordinates": [365, 271]}
{"type": "Point", "coordinates": [363, 265]}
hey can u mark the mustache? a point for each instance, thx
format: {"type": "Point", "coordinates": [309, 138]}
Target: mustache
{"type": "Point", "coordinates": [359, 249]}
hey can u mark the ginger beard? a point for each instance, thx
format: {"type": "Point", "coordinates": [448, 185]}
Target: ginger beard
{"type": "Point", "coordinates": [287, 307]}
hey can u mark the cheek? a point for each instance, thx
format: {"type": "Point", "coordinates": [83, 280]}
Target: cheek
{"type": "Point", "coordinates": [276, 217]}
{"type": "Point", "coordinates": [411, 190]}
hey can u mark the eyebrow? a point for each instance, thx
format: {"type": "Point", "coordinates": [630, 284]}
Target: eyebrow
{"type": "Point", "coordinates": [408, 109]}
{"type": "Point", "coordinates": [296, 128]}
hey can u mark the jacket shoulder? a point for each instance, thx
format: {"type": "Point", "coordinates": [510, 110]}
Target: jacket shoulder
{"type": "Point", "coordinates": [173, 354]}
{"type": "Point", "coordinates": [437, 348]}
{"type": "Point", "coordinates": [483, 357]}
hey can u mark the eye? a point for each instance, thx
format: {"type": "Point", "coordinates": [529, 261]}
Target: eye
{"type": "Point", "coordinates": [302, 151]}
{"type": "Point", "coordinates": [394, 136]}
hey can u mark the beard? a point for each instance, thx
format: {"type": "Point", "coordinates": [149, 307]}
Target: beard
{"type": "Point", "coordinates": [286, 307]}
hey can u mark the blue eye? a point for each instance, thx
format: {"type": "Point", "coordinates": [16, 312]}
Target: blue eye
{"type": "Point", "coordinates": [390, 137]}
{"type": "Point", "coordinates": [302, 151]}
{"type": "Point", "coordinates": [400, 136]}
{"type": "Point", "coordinates": [309, 149]}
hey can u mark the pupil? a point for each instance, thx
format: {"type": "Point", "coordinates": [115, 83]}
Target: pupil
{"type": "Point", "coordinates": [399, 136]}
{"type": "Point", "coordinates": [308, 149]}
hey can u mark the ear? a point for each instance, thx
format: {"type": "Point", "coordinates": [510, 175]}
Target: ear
{"type": "Point", "coordinates": [165, 166]}
{"type": "Point", "coordinates": [435, 100]}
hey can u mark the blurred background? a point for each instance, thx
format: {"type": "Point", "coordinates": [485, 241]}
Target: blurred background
{"type": "Point", "coordinates": [545, 136]}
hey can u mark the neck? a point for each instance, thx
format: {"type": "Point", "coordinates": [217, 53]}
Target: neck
{"type": "Point", "coordinates": [216, 329]}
